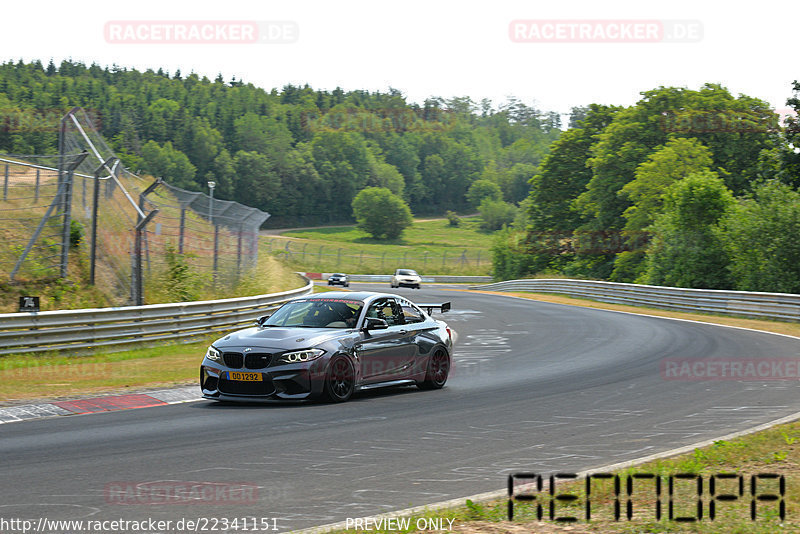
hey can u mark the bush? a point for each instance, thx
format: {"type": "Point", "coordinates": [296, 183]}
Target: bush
{"type": "Point", "coordinates": [381, 213]}
{"type": "Point", "coordinates": [183, 283]}
{"type": "Point", "coordinates": [75, 233]}
{"type": "Point", "coordinates": [495, 214]}
{"type": "Point", "coordinates": [481, 190]}
{"type": "Point", "coordinates": [453, 218]}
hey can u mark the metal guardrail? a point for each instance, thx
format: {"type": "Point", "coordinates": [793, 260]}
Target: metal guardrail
{"type": "Point", "coordinates": [74, 330]}
{"type": "Point", "coordinates": [781, 306]}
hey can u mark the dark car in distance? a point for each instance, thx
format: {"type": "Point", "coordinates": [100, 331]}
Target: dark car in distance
{"type": "Point", "coordinates": [340, 279]}
{"type": "Point", "coordinates": [328, 346]}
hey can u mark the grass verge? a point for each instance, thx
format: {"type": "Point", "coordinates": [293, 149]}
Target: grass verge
{"type": "Point", "coordinates": [428, 246]}
{"type": "Point", "coordinates": [26, 378]}
{"type": "Point", "coordinates": [31, 377]}
{"type": "Point", "coordinates": [775, 451]}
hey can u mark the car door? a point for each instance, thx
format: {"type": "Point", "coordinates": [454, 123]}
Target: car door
{"type": "Point", "coordinates": [386, 354]}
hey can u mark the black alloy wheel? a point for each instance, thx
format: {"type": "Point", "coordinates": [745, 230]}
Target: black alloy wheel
{"type": "Point", "coordinates": [438, 370]}
{"type": "Point", "coordinates": [340, 381]}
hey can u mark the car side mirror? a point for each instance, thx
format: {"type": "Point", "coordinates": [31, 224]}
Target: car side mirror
{"type": "Point", "coordinates": [373, 323]}
{"type": "Point", "coordinates": [260, 321]}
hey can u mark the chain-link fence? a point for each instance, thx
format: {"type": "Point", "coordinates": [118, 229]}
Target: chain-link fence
{"type": "Point", "coordinates": [133, 228]}
{"type": "Point", "coordinates": [32, 219]}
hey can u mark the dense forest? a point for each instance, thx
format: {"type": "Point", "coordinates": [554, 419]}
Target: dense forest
{"type": "Point", "coordinates": [687, 188]}
{"type": "Point", "coordinates": [297, 153]}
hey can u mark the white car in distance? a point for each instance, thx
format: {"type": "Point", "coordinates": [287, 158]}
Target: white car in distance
{"type": "Point", "coordinates": [406, 278]}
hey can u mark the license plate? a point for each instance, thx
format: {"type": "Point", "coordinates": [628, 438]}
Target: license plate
{"type": "Point", "coordinates": [244, 377]}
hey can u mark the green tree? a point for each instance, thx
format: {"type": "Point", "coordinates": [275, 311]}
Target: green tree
{"type": "Point", "coordinates": [383, 174]}
{"type": "Point", "coordinates": [761, 237]}
{"type": "Point", "coordinates": [515, 182]}
{"type": "Point", "coordinates": [162, 119]}
{"type": "Point", "coordinates": [676, 160]}
{"type": "Point", "coordinates": [564, 173]}
{"type": "Point", "coordinates": [735, 129]}
{"type": "Point", "coordinates": [381, 213]}
{"type": "Point", "coordinates": [511, 257]}
{"type": "Point", "coordinates": [342, 160]}
{"type": "Point", "coordinates": [223, 172]}
{"type": "Point", "coordinates": [264, 135]}
{"type": "Point", "coordinates": [483, 189]}
{"type": "Point", "coordinates": [257, 181]}
{"type": "Point", "coordinates": [168, 163]}
{"type": "Point", "coordinates": [686, 250]}
{"type": "Point", "coordinates": [789, 153]}
{"type": "Point", "coordinates": [496, 214]}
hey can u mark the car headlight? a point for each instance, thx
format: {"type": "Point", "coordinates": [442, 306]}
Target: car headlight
{"type": "Point", "coordinates": [301, 356]}
{"type": "Point", "coordinates": [214, 355]}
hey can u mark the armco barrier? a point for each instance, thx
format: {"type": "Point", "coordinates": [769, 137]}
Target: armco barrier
{"type": "Point", "coordinates": [73, 330]}
{"type": "Point", "coordinates": [781, 306]}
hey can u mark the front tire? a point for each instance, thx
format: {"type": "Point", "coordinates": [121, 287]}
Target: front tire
{"type": "Point", "coordinates": [340, 380]}
{"type": "Point", "coordinates": [437, 372]}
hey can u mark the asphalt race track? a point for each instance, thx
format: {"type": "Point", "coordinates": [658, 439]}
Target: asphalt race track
{"type": "Point", "coordinates": [536, 387]}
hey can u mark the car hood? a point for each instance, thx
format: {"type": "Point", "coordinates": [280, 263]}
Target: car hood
{"type": "Point", "coordinates": [276, 338]}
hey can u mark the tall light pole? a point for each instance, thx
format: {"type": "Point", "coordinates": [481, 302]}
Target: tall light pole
{"type": "Point", "coordinates": [211, 186]}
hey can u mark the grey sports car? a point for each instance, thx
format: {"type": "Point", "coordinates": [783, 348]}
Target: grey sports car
{"type": "Point", "coordinates": [328, 346]}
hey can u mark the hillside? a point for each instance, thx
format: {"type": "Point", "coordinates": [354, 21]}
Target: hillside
{"type": "Point", "coordinates": [296, 153]}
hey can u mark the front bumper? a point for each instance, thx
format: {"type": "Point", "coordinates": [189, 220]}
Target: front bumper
{"type": "Point", "coordinates": [288, 382]}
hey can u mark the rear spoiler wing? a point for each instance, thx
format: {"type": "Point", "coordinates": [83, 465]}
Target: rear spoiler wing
{"type": "Point", "coordinates": [443, 307]}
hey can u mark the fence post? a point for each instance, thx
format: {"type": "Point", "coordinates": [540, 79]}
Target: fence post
{"type": "Point", "coordinates": [182, 229]}
{"type": "Point", "coordinates": [67, 198]}
{"type": "Point", "coordinates": [5, 184]}
{"type": "Point", "coordinates": [36, 187]}
{"type": "Point", "coordinates": [139, 231]}
{"type": "Point", "coordinates": [239, 252]}
{"type": "Point", "coordinates": [95, 203]}
{"type": "Point", "coordinates": [216, 248]}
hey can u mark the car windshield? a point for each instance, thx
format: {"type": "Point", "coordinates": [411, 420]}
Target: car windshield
{"type": "Point", "coordinates": [407, 272]}
{"type": "Point", "coordinates": [317, 313]}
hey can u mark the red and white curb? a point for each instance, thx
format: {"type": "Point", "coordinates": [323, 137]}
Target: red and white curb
{"type": "Point", "coordinates": [107, 403]}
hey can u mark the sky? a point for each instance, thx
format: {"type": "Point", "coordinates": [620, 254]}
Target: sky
{"type": "Point", "coordinates": [552, 55]}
